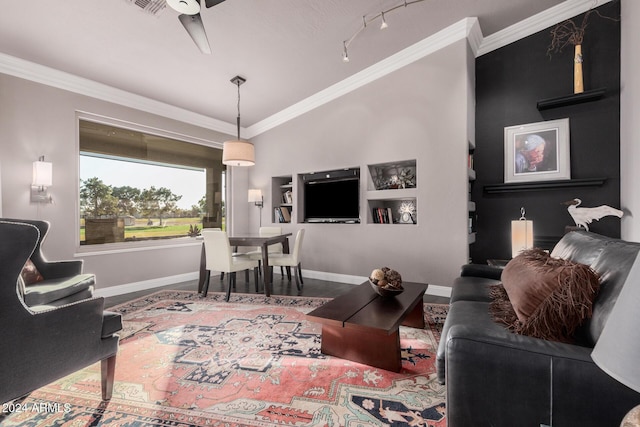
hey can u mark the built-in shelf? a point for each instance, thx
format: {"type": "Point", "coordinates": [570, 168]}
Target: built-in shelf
{"type": "Point", "coordinates": [392, 193]}
{"type": "Point", "coordinates": [282, 198]}
{"type": "Point", "coordinates": [577, 98]}
{"type": "Point", "coordinates": [542, 185]}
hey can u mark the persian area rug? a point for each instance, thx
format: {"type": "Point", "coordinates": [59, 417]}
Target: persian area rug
{"type": "Point", "coordinates": [185, 360]}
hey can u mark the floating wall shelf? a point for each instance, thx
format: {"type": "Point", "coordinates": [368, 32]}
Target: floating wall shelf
{"type": "Point", "coordinates": [577, 98]}
{"type": "Point", "coordinates": [542, 185]}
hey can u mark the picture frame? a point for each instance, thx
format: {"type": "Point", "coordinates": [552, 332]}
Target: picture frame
{"type": "Point", "coordinates": [537, 152]}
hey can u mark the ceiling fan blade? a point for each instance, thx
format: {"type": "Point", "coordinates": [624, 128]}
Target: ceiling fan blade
{"type": "Point", "coordinates": [211, 3]}
{"type": "Point", "coordinates": [194, 26]}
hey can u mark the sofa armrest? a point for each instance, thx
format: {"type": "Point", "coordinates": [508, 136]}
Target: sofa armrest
{"type": "Point", "coordinates": [481, 270]}
{"type": "Point", "coordinates": [497, 378]}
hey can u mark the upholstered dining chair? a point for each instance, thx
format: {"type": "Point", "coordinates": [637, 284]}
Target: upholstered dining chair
{"type": "Point", "coordinates": [273, 249]}
{"type": "Point", "coordinates": [291, 259]}
{"type": "Point", "coordinates": [44, 343]}
{"type": "Point", "coordinates": [219, 257]}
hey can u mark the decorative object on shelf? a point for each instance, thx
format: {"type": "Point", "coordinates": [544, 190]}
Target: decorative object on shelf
{"type": "Point", "coordinates": [407, 212]}
{"type": "Point", "coordinates": [584, 216]}
{"type": "Point", "coordinates": [616, 351]}
{"type": "Point", "coordinates": [42, 178]}
{"type": "Point", "coordinates": [569, 33]}
{"type": "Point", "coordinates": [255, 197]}
{"type": "Point", "coordinates": [537, 151]}
{"type": "Point", "coordinates": [386, 282]}
{"type": "Point", "coordinates": [521, 234]}
{"type": "Point", "coordinates": [394, 177]}
{"type": "Point", "coordinates": [368, 20]}
{"type": "Point", "coordinates": [238, 152]}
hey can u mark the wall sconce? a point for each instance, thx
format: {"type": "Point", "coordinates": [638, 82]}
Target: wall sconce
{"type": "Point", "coordinates": [255, 196]}
{"type": "Point", "coordinates": [521, 235]}
{"type": "Point", "coordinates": [42, 179]}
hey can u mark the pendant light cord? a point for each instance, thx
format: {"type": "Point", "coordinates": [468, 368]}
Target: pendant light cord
{"type": "Point", "coordinates": [238, 119]}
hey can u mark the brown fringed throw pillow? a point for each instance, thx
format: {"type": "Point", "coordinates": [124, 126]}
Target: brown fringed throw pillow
{"type": "Point", "coordinates": [30, 273]}
{"type": "Point", "coordinates": [544, 297]}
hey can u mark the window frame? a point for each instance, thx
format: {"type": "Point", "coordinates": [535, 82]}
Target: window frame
{"type": "Point", "coordinates": [142, 245]}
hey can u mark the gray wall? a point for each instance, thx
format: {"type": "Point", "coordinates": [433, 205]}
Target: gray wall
{"type": "Point", "coordinates": [418, 112]}
{"type": "Point", "coordinates": [38, 120]}
{"type": "Point", "coordinates": [629, 124]}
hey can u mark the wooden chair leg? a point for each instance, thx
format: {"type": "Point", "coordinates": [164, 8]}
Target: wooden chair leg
{"type": "Point", "coordinates": [300, 273]}
{"type": "Point", "coordinates": [256, 274]}
{"type": "Point", "coordinates": [108, 372]}
{"type": "Point", "coordinates": [205, 286]}
{"type": "Point", "coordinates": [288, 273]}
{"type": "Point", "coordinates": [231, 281]}
{"type": "Point", "coordinates": [222, 276]}
{"type": "Point", "coordinates": [282, 271]}
{"type": "Point", "coordinates": [246, 276]}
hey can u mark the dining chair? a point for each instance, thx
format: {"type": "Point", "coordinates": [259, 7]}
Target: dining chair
{"type": "Point", "coordinates": [219, 257]}
{"type": "Point", "coordinates": [273, 249]}
{"type": "Point", "coordinates": [291, 259]}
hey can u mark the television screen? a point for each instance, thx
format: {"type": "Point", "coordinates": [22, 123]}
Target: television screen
{"type": "Point", "coordinates": [332, 200]}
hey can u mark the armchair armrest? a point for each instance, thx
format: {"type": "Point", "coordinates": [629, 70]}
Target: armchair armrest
{"type": "Point", "coordinates": [481, 270]}
{"type": "Point", "coordinates": [58, 269]}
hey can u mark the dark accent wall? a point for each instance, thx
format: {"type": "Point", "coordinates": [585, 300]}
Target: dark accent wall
{"type": "Point", "coordinates": [509, 83]}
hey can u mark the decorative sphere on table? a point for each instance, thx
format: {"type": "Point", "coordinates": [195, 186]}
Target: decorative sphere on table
{"type": "Point", "coordinates": [386, 281]}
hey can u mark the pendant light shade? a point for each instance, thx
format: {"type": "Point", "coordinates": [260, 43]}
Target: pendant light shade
{"type": "Point", "coordinates": [238, 152]}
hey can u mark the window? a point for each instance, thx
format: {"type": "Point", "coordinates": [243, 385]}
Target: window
{"type": "Point", "coordinates": [137, 186]}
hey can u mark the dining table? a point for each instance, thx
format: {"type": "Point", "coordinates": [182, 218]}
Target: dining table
{"type": "Point", "coordinates": [255, 240]}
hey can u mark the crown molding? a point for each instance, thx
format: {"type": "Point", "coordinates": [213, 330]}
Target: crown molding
{"type": "Point", "coordinates": [419, 50]}
{"type": "Point", "coordinates": [545, 19]}
{"type": "Point", "coordinates": [466, 28]}
{"type": "Point", "coordinates": [23, 69]}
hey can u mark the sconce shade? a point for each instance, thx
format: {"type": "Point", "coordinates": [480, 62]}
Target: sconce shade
{"type": "Point", "coordinates": [238, 153]}
{"type": "Point", "coordinates": [42, 174]}
{"type": "Point", "coordinates": [521, 236]}
{"type": "Point", "coordinates": [255, 195]}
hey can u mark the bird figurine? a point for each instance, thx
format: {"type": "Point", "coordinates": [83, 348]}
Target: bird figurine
{"type": "Point", "coordinates": [584, 216]}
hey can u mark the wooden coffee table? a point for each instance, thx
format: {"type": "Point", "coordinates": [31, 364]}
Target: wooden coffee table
{"type": "Point", "coordinates": [363, 326]}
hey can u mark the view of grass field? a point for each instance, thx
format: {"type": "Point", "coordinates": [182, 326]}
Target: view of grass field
{"type": "Point", "coordinates": [171, 227]}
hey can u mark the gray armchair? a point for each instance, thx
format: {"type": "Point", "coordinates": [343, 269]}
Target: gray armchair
{"type": "Point", "coordinates": [62, 281]}
{"type": "Point", "coordinates": [45, 343]}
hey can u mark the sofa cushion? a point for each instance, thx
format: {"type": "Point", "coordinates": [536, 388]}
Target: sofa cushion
{"type": "Point", "coordinates": [580, 246]}
{"type": "Point", "coordinates": [613, 266]}
{"type": "Point", "coordinates": [551, 297]}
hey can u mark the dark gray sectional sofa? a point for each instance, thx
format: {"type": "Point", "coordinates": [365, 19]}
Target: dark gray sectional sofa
{"type": "Point", "coordinates": [497, 378]}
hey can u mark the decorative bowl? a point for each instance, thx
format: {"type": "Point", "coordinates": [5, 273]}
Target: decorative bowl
{"type": "Point", "coordinates": [385, 292]}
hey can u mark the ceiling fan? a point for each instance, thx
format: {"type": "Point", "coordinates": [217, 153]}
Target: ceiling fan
{"type": "Point", "coordinates": [191, 20]}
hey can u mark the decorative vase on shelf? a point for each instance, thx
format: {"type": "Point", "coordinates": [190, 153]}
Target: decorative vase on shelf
{"type": "Point", "coordinates": [578, 82]}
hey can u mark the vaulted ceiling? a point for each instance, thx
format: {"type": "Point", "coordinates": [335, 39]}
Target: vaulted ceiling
{"type": "Point", "coordinates": [287, 50]}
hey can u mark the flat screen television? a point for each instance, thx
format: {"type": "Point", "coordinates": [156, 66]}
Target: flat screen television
{"type": "Point", "coordinates": [332, 200]}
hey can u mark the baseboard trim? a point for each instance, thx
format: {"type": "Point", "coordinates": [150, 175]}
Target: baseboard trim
{"type": "Point", "coordinates": [144, 285]}
{"type": "Point", "coordinates": [435, 290]}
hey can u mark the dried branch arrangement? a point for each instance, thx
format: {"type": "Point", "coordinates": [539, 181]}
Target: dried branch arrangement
{"type": "Point", "coordinates": [569, 33]}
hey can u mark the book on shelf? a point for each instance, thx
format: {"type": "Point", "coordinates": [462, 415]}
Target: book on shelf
{"type": "Point", "coordinates": [287, 197]}
{"type": "Point", "coordinates": [282, 214]}
{"type": "Point", "coordinates": [382, 215]}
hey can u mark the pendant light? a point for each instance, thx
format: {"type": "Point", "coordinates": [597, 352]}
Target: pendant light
{"type": "Point", "coordinates": [238, 152]}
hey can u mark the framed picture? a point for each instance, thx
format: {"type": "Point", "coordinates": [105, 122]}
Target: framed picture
{"type": "Point", "coordinates": [537, 152]}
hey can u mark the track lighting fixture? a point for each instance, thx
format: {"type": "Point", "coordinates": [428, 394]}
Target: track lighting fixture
{"type": "Point", "coordinates": [366, 21]}
{"type": "Point", "coordinates": [384, 22]}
